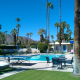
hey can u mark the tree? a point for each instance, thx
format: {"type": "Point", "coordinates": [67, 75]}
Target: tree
{"type": "Point", "coordinates": [20, 39]}
{"type": "Point", "coordinates": [63, 26]}
{"type": "Point", "coordinates": [77, 38]}
{"type": "Point", "coordinates": [41, 32]}
{"type": "Point", "coordinates": [14, 32]}
{"type": "Point", "coordinates": [50, 5]}
{"type": "Point", "coordinates": [18, 25]}
{"type": "Point", "coordinates": [28, 38]}
{"type": "Point", "coordinates": [46, 21]}
{"type": "Point", "coordinates": [69, 32]}
{"type": "Point", "coordinates": [3, 37]}
{"type": "Point", "coordinates": [57, 25]}
{"type": "Point", "coordinates": [0, 26]}
{"type": "Point", "coordinates": [26, 41]}
{"type": "Point", "coordinates": [60, 25]}
{"type": "Point", "coordinates": [67, 26]}
{"type": "Point", "coordinates": [52, 37]}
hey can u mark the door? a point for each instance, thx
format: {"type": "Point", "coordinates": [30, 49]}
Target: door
{"type": "Point", "coordinates": [64, 48]}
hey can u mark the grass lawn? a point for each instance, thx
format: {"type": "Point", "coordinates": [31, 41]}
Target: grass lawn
{"type": "Point", "coordinates": [6, 70]}
{"type": "Point", "coordinates": [42, 75]}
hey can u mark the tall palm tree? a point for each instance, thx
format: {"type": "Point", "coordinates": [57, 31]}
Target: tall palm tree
{"type": "Point", "coordinates": [0, 26]}
{"type": "Point", "coordinates": [52, 37]}
{"type": "Point", "coordinates": [3, 37]}
{"type": "Point", "coordinates": [30, 34]}
{"type": "Point", "coordinates": [50, 6]}
{"type": "Point", "coordinates": [63, 26]}
{"type": "Point", "coordinates": [18, 25]}
{"type": "Point", "coordinates": [69, 32]}
{"type": "Point", "coordinates": [77, 38]}
{"type": "Point", "coordinates": [28, 38]}
{"type": "Point", "coordinates": [67, 26]}
{"type": "Point", "coordinates": [56, 25]}
{"type": "Point", "coordinates": [60, 24]}
{"type": "Point", "coordinates": [41, 32]}
{"type": "Point", "coordinates": [46, 21]}
{"type": "Point", "coordinates": [26, 41]}
{"type": "Point", "coordinates": [20, 39]}
{"type": "Point", "coordinates": [14, 32]}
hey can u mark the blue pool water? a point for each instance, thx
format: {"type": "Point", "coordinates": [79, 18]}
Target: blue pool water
{"type": "Point", "coordinates": [43, 57]}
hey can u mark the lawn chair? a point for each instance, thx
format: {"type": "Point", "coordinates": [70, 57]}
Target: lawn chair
{"type": "Point", "coordinates": [48, 61]}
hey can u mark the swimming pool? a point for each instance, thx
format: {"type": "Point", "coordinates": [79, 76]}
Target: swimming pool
{"type": "Point", "coordinates": [42, 57]}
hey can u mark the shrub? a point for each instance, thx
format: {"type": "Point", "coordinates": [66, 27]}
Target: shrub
{"type": "Point", "coordinates": [32, 46]}
{"type": "Point", "coordinates": [11, 47]}
{"type": "Point", "coordinates": [42, 47]}
{"type": "Point", "coordinates": [12, 43]}
{"type": "Point", "coordinates": [28, 50]}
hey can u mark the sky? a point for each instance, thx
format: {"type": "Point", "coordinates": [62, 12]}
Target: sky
{"type": "Point", "coordinates": [32, 14]}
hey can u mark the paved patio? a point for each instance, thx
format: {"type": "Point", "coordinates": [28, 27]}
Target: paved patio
{"type": "Point", "coordinates": [39, 65]}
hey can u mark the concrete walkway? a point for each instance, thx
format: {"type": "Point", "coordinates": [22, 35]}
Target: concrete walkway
{"type": "Point", "coordinates": [38, 65]}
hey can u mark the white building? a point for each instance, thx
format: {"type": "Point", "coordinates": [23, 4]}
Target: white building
{"type": "Point", "coordinates": [65, 47]}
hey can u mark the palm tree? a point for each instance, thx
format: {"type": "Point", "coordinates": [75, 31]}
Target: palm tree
{"type": "Point", "coordinates": [14, 32]}
{"type": "Point", "coordinates": [18, 25]}
{"type": "Point", "coordinates": [69, 32]}
{"type": "Point", "coordinates": [77, 38]}
{"type": "Point", "coordinates": [26, 41]}
{"type": "Point", "coordinates": [57, 25]}
{"type": "Point", "coordinates": [41, 32]}
{"type": "Point", "coordinates": [67, 26]}
{"type": "Point", "coordinates": [0, 26]}
{"type": "Point", "coordinates": [3, 37]}
{"type": "Point", "coordinates": [60, 25]}
{"type": "Point", "coordinates": [50, 5]}
{"type": "Point", "coordinates": [63, 26]}
{"type": "Point", "coordinates": [52, 37]}
{"type": "Point", "coordinates": [30, 34]}
{"type": "Point", "coordinates": [46, 21]}
{"type": "Point", "coordinates": [28, 38]}
{"type": "Point", "coordinates": [20, 39]}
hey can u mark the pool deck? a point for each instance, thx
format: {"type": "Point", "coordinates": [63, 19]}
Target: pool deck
{"type": "Point", "coordinates": [38, 65]}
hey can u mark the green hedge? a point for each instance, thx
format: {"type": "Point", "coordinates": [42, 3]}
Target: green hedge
{"type": "Point", "coordinates": [42, 47]}
{"type": "Point", "coordinates": [32, 46]}
{"type": "Point", "coordinates": [11, 47]}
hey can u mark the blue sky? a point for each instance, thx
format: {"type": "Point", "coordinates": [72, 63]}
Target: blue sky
{"type": "Point", "coordinates": [32, 14]}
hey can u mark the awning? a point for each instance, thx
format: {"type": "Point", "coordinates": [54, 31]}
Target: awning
{"type": "Point", "coordinates": [71, 42]}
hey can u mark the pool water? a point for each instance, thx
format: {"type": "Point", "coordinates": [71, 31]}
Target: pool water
{"type": "Point", "coordinates": [43, 57]}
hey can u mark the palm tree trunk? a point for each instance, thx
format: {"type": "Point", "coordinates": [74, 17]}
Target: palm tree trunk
{"type": "Point", "coordinates": [15, 39]}
{"type": "Point", "coordinates": [57, 32]}
{"type": "Point", "coordinates": [62, 33]}
{"type": "Point", "coordinates": [48, 27]}
{"type": "Point", "coordinates": [17, 34]}
{"type": "Point", "coordinates": [41, 38]}
{"type": "Point", "coordinates": [60, 25]}
{"type": "Point", "coordinates": [46, 23]}
{"type": "Point", "coordinates": [77, 39]}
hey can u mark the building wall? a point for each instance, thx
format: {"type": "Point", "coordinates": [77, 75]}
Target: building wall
{"type": "Point", "coordinates": [68, 47]}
